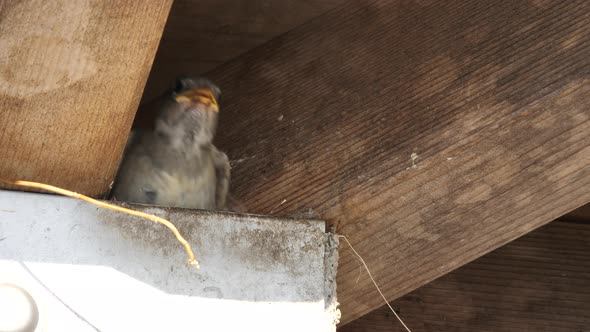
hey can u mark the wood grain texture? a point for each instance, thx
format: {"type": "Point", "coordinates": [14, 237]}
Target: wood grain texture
{"type": "Point", "coordinates": [71, 76]}
{"type": "Point", "coordinates": [202, 34]}
{"type": "Point", "coordinates": [428, 132]}
{"type": "Point", "coordinates": [540, 282]}
{"type": "Point", "coordinates": [581, 214]}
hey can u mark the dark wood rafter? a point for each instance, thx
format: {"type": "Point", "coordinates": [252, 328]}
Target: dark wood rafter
{"type": "Point", "coordinates": [203, 34]}
{"type": "Point", "coordinates": [539, 282]}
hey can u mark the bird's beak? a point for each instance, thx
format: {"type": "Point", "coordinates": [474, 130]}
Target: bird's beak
{"type": "Point", "coordinates": [199, 96]}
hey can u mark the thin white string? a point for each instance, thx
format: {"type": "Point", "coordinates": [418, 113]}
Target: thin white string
{"type": "Point", "coordinates": [374, 283]}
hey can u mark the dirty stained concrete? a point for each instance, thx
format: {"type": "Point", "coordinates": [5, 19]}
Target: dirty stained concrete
{"type": "Point", "coordinates": [92, 269]}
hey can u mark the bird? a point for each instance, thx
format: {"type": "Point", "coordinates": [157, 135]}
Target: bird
{"type": "Point", "coordinates": [172, 161]}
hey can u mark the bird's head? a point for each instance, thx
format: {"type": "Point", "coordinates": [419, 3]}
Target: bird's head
{"type": "Point", "coordinates": [190, 111]}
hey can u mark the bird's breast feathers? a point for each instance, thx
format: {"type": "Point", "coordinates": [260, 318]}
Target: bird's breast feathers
{"type": "Point", "coordinates": [196, 191]}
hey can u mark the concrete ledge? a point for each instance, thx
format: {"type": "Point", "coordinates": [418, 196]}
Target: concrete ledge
{"type": "Point", "coordinates": [92, 269]}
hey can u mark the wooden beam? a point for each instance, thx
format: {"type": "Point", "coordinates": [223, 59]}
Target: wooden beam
{"type": "Point", "coordinates": [428, 132]}
{"type": "Point", "coordinates": [536, 283]}
{"type": "Point", "coordinates": [71, 77]}
{"type": "Point", "coordinates": [203, 34]}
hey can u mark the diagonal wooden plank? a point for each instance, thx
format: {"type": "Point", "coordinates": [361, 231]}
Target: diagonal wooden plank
{"type": "Point", "coordinates": [71, 76]}
{"type": "Point", "coordinates": [536, 283]}
{"type": "Point", "coordinates": [428, 132]}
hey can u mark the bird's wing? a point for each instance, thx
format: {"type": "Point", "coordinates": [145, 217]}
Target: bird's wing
{"type": "Point", "coordinates": [222, 174]}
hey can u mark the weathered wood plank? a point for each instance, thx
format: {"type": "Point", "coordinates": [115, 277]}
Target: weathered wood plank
{"type": "Point", "coordinates": [203, 34]}
{"type": "Point", "coordinates": [429, 133]}
{"type": "Point", "coordinates": [71, 77]}
{"type": "Point", "coordinates": [539, 282]}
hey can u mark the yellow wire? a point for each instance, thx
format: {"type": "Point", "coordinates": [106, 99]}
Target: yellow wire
{"type": "Point", "coordinates": [37, 185]}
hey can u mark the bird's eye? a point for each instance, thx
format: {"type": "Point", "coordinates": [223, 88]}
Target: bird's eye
{"type": "Point", "coordinates": [180, 86]}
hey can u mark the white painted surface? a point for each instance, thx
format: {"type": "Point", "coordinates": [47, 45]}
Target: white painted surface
{"type": "Point", "coordinates": [92, 269]}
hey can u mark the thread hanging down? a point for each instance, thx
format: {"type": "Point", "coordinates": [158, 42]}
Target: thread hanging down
{"type": "Point", "coordinates": [374, 282]}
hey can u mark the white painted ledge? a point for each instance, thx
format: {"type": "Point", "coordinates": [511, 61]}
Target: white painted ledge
{"type": "Point", "coordinates": [93, 269]}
